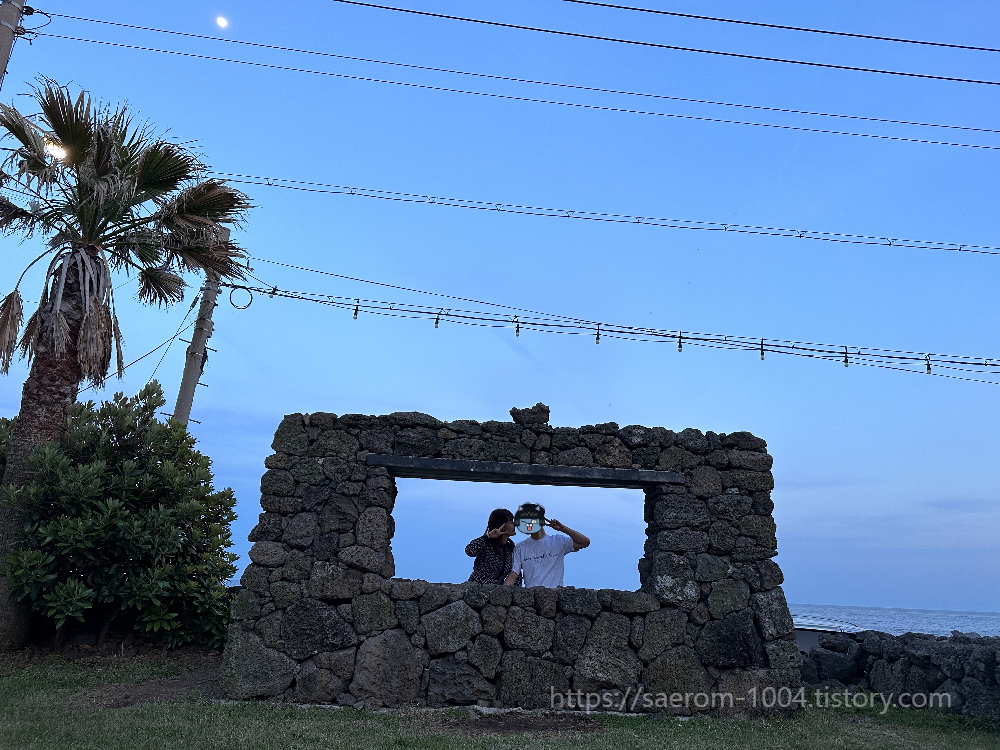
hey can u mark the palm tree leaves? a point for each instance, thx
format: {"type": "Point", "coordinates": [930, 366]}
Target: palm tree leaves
{"type": "Point", "coordinates": [23, 130]}
{"type": "Point", "coordinates": [223, 261]}
{"type": "Point", "coordinates": [94, 343]}
{"type": "Point", "coordinates": [71, 122]}
{"type": "Point", "coordinates": [11, 314]}
{"type": "Point", "coordinates": [108, 194]}
{"type": "Point", "coordinates": [13, 218]}
{"type": "Point", "coordinates": [204, 205]}
{"type": "Point", "coordinates": [160, 286]}
{"type": "Point", "coordinates": [31, 158]}
{"type": "Point", "coordinates": [163, 168]}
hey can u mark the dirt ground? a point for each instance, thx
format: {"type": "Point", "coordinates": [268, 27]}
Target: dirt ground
{"type": "Point", "coordinates": [199, 679]}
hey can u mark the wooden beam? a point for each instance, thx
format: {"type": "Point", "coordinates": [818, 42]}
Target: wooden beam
{"type": "Point", "coordinates": [516, 473]}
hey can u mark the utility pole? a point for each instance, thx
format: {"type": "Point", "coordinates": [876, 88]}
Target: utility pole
{"type": "Point", "coordinates": [197, 351]}
{"type": "Point", "coordinates": [11, 12]}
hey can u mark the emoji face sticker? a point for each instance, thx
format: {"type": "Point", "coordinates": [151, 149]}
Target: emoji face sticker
{"type": "Point", "coordinates": [530, 518]}
{"type": "Point", "coordinates": [529, 525]}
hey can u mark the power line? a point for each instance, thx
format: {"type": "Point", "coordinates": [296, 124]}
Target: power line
{"type": "Point", "coordinates": [509, 97]}
{"type": "Point", "coordinates": [577, 87]}
{"type": "Point", "coordinates": [527, 320]}
{"type": "Point", "coordinates": [151, 351]}
{"type": "Point", "coordinates": [581, 215]}
{"type": "Point", "coordinates": [176, 334]}
{"type": "Point", "coordinates": [668, 46]}
{"type": "Point", "coordinates": [781, 26]}
{"type": "Point", "coordinates": [566, 213]}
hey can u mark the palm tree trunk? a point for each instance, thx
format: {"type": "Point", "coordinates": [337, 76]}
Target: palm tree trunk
{"type": "Point", "coordinates": [52, 385]}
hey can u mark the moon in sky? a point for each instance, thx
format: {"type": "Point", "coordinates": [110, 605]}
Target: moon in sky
{"type": "Point", "coordinates": [222, 21]}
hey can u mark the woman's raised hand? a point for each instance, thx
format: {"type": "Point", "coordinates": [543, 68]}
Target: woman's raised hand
{"type": "Point", "coordinates": [494, 533]}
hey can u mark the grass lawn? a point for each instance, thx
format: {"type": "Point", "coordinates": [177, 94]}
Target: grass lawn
{"type": "Point", "coordinates": [158, 701]}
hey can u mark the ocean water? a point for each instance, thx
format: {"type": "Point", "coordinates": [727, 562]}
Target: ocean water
{"type": "Point", "coordinates": [897, 621]}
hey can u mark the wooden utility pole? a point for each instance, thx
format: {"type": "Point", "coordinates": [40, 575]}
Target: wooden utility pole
{"type": "Point", "coordinates": [194, 363]}
{"type": "Point", "coordinates": [15, 617]}
{"type": "Point", "coordinates": [11, 12]}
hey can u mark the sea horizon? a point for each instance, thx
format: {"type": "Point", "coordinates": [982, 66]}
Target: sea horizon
{"type": "Point", "coordinates": [899, 620]}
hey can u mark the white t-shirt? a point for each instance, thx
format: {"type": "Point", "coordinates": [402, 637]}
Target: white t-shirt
{"type": "Point", "coordinates": [540, 561]}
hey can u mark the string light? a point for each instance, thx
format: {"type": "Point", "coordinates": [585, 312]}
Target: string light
{"type": "Point", "coordinates": [899, 360]}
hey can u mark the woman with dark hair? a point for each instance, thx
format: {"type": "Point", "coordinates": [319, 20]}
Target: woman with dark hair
{"type": "Point", "coordinates": [494, 551]}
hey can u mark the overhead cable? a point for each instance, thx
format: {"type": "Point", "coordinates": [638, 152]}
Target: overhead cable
{"type": "Point", "coordinates": [783, 27]}
{"type": "Point", "coordinates": [657, 45]}
{"type": "Point", "coordinates": [180, 325]}
{"type": "Point", "coordinates": [509, 97]}
{"type": "Point", "coordinates": [150, 352]}
{"type": "Point", "coordinates": [566, 213]}
{"type": "Point", "coordinates": [531, 81]}
{"type": "Point", "coordinates": [904, 361]}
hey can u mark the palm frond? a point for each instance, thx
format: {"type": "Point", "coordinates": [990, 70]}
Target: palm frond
{"type": "Point", "coordinates": [103, 151]}
{"type": "Point", "coordinates": [56, 327]}
{"type": "Point", "coordinates": [11, 315]}
{"type": "Point", "coordinates": [13, 218]}
{"type": "Point", "coordinates": [94, 344]}
{"type": "Point", "coordinates": [163, 168]}
{"type": "Point", "coordinates": [31, 158]}
{"type": "Point", "coordinates": [100, 175]}
{"type": "Point", "coordinates": [160, 286]}
{"type": "Point", "coordinates": [202, 205]}
{"type": "Point", "coordinates": [132, 140]}
{"type": "Point", "coordinates": [69, 121]}
{"type": "Point", "coordinates": [23, 130]}
{"type": "Point", "coordinates": [29, 339]}
{"type": "Point", "coordinates": [144, 247]}
{"type": "Point", "coordinates": [223, 259]}
{"type": "Point", "coordinates": [116, 334]}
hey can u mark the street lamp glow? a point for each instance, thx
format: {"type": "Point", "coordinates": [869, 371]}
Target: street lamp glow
{"type": "Point", "coordinates": [222, 22]}
{"type": "Point", "coordinates": [54, 149]}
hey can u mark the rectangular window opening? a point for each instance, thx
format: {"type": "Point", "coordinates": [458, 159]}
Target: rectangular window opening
{"type": "Point", "coordinates": [435, 519]}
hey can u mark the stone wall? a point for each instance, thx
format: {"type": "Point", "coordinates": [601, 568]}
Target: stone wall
{"type": "Point", "coordinates": [963, 666]}
{"type": "Point", "coordinates": [321, 617]}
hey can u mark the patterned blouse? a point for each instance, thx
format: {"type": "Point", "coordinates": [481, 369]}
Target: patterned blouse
{"type": "Point", "coordinates": [490, 567]}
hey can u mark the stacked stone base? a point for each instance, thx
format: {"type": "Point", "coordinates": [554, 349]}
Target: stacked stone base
{"type": "Point", "coordinates": [957, 672]}
{"type": "Point", "coordinates": [402, 642]}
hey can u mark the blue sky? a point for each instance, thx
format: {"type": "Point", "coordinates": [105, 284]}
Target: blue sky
{"type": "Point", "coordinates": [886, 483]}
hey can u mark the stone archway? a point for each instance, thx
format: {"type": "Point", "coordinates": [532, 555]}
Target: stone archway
{"type": "Point", "coordinates": [321, 617]}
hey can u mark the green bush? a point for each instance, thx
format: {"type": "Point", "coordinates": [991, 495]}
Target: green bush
{"type": "Point", "coordinates": [121, 522]}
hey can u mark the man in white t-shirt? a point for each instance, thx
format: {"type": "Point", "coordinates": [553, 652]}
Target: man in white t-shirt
{"type": "Point", "coordinates": [539, 558]}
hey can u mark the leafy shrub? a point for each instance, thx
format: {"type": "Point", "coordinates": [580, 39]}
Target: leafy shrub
{"type": "Point", "coordinates": [121, 521]}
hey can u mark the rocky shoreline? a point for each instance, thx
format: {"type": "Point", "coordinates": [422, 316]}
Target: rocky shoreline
{"type": "Point", "coordinates": [962, 666]}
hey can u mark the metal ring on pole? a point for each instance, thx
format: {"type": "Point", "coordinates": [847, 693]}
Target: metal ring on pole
{"type": "Point", "coordinates": [240, 307]}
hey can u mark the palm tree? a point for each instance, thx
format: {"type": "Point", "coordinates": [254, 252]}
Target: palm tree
{"type": "Point", "coordinates": [107, 195]}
